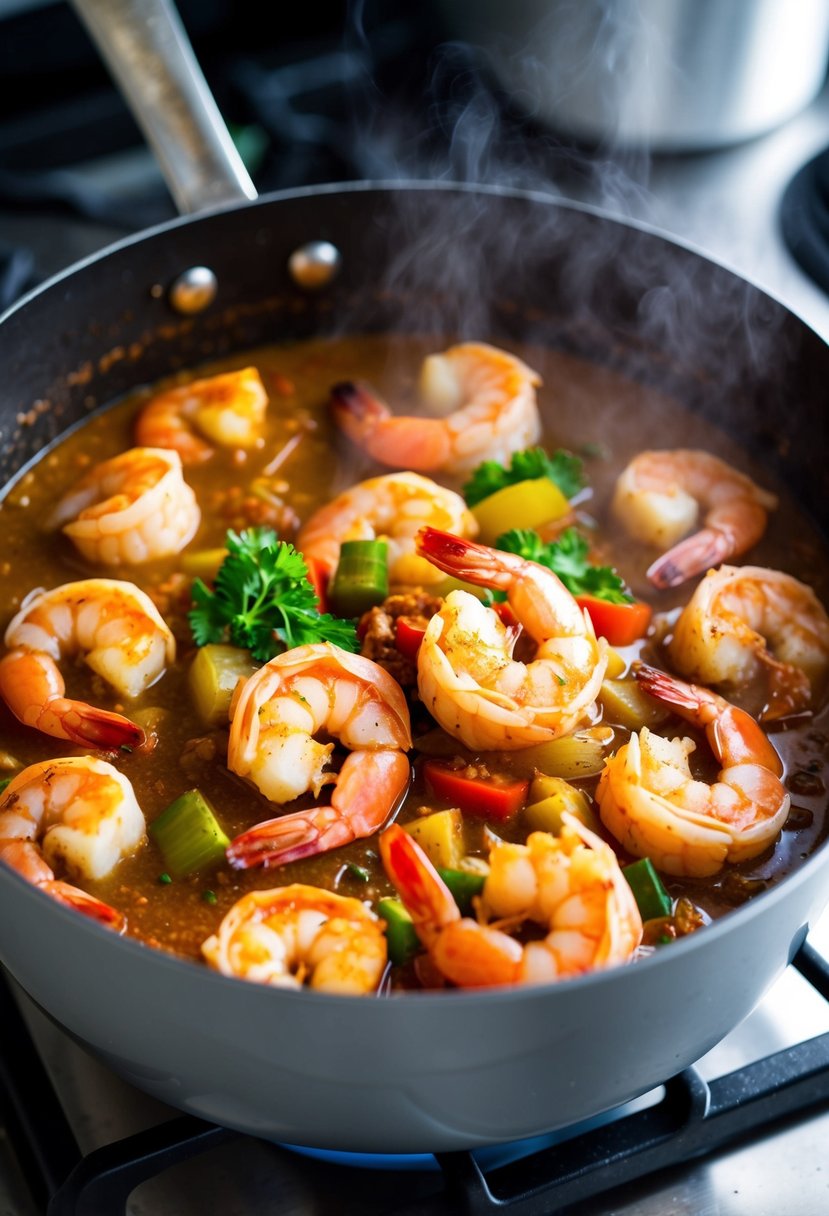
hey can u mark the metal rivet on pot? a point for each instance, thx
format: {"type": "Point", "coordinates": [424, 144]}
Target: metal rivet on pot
{"type": "Point", "coordinates": [314, 265]}
{"type": "Point", "coordinates": [194, 290]}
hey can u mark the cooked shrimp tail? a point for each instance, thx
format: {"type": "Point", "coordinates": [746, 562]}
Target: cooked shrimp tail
{"type": "Point", "coordinates": [86, 904]}
{"type": "Point", "coordinates": [368, 788]}
{"type": "Point", "coordinates": [735, 737]}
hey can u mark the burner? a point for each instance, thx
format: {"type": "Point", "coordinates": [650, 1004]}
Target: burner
{"type": "Point", "coordinates": [686, 1119]}
{"type": "Point", "coordinates": [804, 218]}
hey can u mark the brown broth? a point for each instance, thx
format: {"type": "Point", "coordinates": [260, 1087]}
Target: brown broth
{"type": "Point", "coordinates": [588, 409]}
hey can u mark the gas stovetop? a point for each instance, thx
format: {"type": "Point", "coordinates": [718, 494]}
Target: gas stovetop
{"type": "Point", "coordinates": [747, 1129]}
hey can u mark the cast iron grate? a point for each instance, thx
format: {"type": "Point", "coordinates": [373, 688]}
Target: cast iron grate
{"type": "Point", "coordinates": [692, 1119]}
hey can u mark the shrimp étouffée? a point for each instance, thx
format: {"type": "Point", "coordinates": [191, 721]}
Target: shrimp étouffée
{"type": "Point", "coordinates": [274, 719]}
{"type": "Point", "coordinates": [77, 812]}
{"type": "Point", "coordinates": [122, 637]}
{"type": "Point", "coordinates": [467, 677]}
{"type": "Point", "coordinates": [297, 936]}
{"type": "Point", "coordinates": [652, 805]}
{"type": "Point", "coordinates": [393, 507]}
{"type": "Point", "coordinates": [486, 406]}
{"type": "Point", "coordinates": [570, 884]}
{"type": "Point", "coordinates": [658, 497]}
{"type": "Point", "coordinates": [744, 620]}
{"type": "Point", "coordinates": [227, 410]}
{"type": "Point", "coordinates": [131, 509]}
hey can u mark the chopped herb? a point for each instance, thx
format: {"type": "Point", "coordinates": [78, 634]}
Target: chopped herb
{"type": "Point", "coordinates": [262, 600]}
{"type": "Point", "coordinates": [562, 468]}
{"type": "Point", "coordinates": [125, 747]}
{"type": "Point", "coordinates": [4, 781]}
{"type": "Point", "coordinates": [210, 897]}
{"type": "Point", "coordinates": [164, 879]}
{"type": "Point", "coordinates": [567, 557]}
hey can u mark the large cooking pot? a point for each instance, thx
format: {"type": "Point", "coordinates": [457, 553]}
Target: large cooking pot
{"type": "Point", "coordinates": [422, 1071]}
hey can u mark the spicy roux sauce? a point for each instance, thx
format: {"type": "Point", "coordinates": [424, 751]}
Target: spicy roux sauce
{"type": "Point", "coordinates": [590, 410]}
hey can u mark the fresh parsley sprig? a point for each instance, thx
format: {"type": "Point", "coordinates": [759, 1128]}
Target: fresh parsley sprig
{"type": "Point", "coordinates": [567, 557]}
{"type": "Point", "coordinates": [563, 468]}
{"type": "Point", "coordinates": [262, 600]}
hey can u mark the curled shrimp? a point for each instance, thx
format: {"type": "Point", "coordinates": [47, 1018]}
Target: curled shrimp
{"type": "Point", "coordinates": [298, 936]}
{"type": "Point", "coordinates": [131, 509]}
{"type": "Point", "coordinates": [653, 806]}
{"type": "Point", "coordinates": [658, 498]}
{"type": "Point", "coordinates": [227, 409]}
{"type": "Point", "coordinates": [467, 678]}
{"type": "Point", "coordinates": [742, 620]}
{"type": "Point", "coordinates": [485, 403]}
{"type": "Point", "coordinates": [569, 884]}
{"type": "Point", "coordinates": [122, 637]}
{"type": "Point", "coordinates": [393, 507]}
{"type": "Point", "coordinates": [275, 717]}
{"type": "Point", "coordinates": [77, 812]}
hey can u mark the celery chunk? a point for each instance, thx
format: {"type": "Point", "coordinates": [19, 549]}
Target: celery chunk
{"type": "Point", "coordinates": [213, 676]}
{"type": "Point", "coordinates": [189, 835]}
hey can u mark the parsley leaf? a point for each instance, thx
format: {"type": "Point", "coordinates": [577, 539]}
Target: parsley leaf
{"type": "Point", "coordinates": [567, 557]}
{"type": "Point", "coordinates": [562, 467]}
{"type": "Point", "coordinates": [262, 600]}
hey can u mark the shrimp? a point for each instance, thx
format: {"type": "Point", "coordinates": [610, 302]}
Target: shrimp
{"type": "Point", "coordinates": [570, 884]}
{"type": "Point", "coordinates": [297, 936]}
{"type": "Point", "coordinates": [228, 409]}
{"type": "Point", "coordinates": [134, 508]}
{"type": "Point", "coordinates": [658, 497]}
{"type": "Point", "coordinates": [485, 403]}
{"type": "Point", "coordinates": [742, 620]}
{"type": "Point", "coordinates": [393, 507]}
{"type": "Point", "coordinates": [123, 638]}
{"type": "Point", "coordinates": [274, 718]}
{"type": "Point", "coordinates": [78, 812]}
{"type": "Point", "coordinates": [653, 806]}
{"type": "Point", "coordinates": [467, 677]}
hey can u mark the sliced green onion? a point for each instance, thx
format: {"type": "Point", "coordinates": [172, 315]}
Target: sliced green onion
{"type": "Point", "coordinates": [361, 579]}
{"type": "Point", "coordinates": [401, 935]}
{"type": "Point", "coordinates": [189, 835]}
{"type": "Point", "coordinates": [358, 872]}
{"type": "Point", "coordinates": [464, 887]}
{"type": "Point", "coordinates": [651, 897]}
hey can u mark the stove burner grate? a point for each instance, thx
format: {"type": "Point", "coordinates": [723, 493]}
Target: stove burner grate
{"type": "Point", "coordinates": [693, 1118]}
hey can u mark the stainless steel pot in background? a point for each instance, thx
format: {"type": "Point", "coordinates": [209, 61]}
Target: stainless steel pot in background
{"type": "Point", "coordinates": [672, 75]}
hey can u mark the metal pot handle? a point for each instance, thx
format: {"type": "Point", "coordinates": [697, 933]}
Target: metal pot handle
{"type": "Point", "coordinates": [148, 52]}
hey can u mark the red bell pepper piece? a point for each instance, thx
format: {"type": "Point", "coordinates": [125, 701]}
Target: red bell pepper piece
{"type": "Point", "coordinates": [318, 576]}
{"type": "Point", "coordinates": [621, 624]}
{"type": "Point", "coordinates": [407, 637]}
{"type": "Point", "coordinates": [489, 797]}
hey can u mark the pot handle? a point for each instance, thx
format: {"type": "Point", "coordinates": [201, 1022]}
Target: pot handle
{"type": "Point", "coordinates": [149, 54]}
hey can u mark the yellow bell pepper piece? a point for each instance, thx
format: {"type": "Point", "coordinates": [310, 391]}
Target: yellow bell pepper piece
{"type": "Point", "coordinates": [440, 835]}
{"type": "Point", "coordinates": [527, 504]}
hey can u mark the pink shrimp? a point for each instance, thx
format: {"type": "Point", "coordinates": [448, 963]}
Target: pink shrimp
{"type": "Point", "coordinates": [658, 497]}
{"type": "Point", "coordinates": [228, 409]}
{"type": "Point", "coordinates": [467, 678]}
{"type": "Point", "coordinates": [78, 811]}
{"type": "Point", "coordinates": [485, 403]}
{"type": "Point", "coordinates": [653, 806]}
{"type": "Point", "coordinates": [570, 884]}
{"type": "Point", "coordinates": [275, 717]}
{"type": "Point", "coordinates": [122, 637]}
